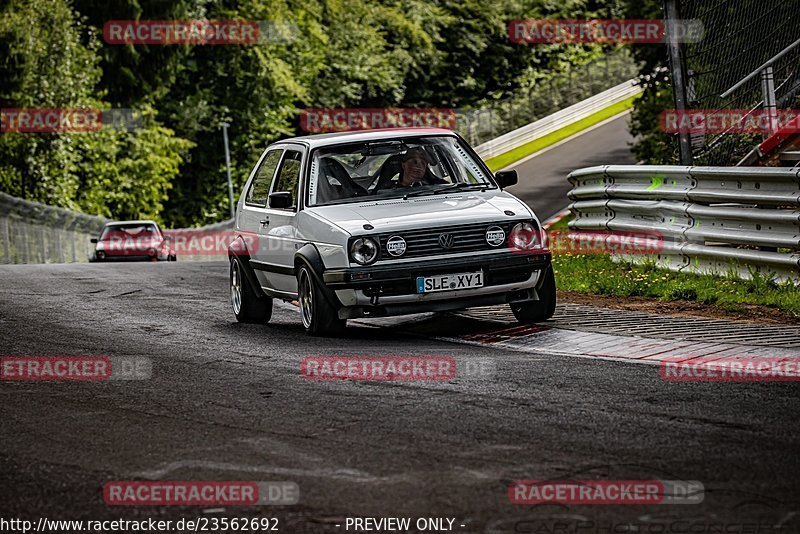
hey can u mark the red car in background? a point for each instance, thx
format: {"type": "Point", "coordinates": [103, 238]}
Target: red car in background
{"type": "Point", "coordinates": [132, 241]}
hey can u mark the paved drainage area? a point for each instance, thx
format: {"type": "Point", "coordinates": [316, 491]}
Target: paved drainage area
{"type": "Point", "coordinates": [585, 318]}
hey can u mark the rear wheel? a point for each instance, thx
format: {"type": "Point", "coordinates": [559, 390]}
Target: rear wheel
{"type": "Point", "coordinates": [535, 311]}
{"type": "Point", "coordinates": [318, 316]}
{"type": "Point", "coordinates": [247, 306]}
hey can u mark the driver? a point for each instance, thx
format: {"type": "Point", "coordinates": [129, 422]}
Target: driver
{"type": "Point", "coordinates": [414, 169]}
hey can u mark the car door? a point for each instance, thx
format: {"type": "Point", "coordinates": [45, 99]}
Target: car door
{"type": "Point", "coordinates": [253, 213]}
{"type": "Point", "coordinates": [279, 233]}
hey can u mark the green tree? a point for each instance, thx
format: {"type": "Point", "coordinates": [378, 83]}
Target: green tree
{"type": "Point", "coordinates": [50, 60]}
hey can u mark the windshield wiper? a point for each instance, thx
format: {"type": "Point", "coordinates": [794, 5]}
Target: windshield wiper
{"type": "Point", "coordinates": [461, 186]}
{"type": "Point", "coordinates": [417, 192]}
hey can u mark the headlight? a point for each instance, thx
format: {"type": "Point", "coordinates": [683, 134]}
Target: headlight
{"type": "Point", "coordinates": [524, 236]}
{"type": "Point", "coordinates": [364, 250]}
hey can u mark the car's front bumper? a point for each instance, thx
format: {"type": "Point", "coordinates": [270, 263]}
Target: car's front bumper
{"type": "Point", "coordinates": [128, 258]}
{"type": "Point", "coordinates": [391, 289]}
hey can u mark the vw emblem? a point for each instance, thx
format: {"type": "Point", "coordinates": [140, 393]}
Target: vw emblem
{"type": "Point", "coordinates": [396, 245]}
{"type": "Point", "coordinates": [446, 240]}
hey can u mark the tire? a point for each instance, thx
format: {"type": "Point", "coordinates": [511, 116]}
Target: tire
{"type": "Point", "coordinates": [247, 306]}
{"type": "Point", "coordinates": [535, 311]}
{"type": "Point", "coordinates": [318, 316]}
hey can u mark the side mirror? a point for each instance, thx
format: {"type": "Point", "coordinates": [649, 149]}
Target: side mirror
{"type": "Point", "coordinates": [168, 238]}
{"type": "Point", "coordinates": [94, 240]}
{"type": "Point", "coordinates": [280, 200]}
{"type": "Point", "coordinates": [506, 178]}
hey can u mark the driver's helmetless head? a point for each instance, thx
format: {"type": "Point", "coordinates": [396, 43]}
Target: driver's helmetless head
{"type": "Point", "coordinates": [414, 164]}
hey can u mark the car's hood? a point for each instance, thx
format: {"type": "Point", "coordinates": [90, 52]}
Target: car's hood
{"type": "Point", "coordinates": [425, 211]}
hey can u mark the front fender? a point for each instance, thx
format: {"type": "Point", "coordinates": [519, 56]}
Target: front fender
{"type": "Point", "coordinates": [309, 255]}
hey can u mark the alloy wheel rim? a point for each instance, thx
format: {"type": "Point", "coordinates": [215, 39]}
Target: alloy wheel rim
{"type": "Point", "coordinates": [236, 289]}
{"type": "Point", "coordinates": [306, 299]}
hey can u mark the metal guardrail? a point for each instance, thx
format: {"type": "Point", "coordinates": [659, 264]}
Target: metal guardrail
{"type": "Point", "coordinates": [712, 219]}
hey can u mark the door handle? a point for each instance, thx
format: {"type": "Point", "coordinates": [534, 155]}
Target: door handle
{"type": "Point", "coordinates": [264, 221]}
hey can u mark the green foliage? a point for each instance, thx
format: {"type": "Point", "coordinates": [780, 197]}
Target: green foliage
{"type": "Point", "coordinates": [52, 62]}
{"type": "Point", "coordinates": [127, 175]}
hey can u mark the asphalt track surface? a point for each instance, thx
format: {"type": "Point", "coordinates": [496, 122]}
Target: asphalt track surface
{"type": "Point", "coordinates": [543, 181]}
{"type": "Point", "coordinates": [227, 402]}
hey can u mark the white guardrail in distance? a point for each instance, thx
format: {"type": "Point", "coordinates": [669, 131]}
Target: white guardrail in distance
{"type": "Point", "coordinates": [558, 120]}
{"type": "Point", "coordinates": [712, 219]}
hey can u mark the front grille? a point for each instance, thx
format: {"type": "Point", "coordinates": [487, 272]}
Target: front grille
{"type": "Point", "coordinates": [425, 241]}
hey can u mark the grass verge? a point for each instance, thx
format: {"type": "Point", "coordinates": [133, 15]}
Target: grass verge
{"type": "Point", "coordinates": [503, 160]}
{"type": "Point", "coordinates": [599, 275]}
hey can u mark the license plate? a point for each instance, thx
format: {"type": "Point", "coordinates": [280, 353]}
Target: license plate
{"type": "Point", "coordinates": [449, 282]}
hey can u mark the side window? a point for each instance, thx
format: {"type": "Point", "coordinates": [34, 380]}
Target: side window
{"type": "Point", "coordinates": [259, 188]}
{"type": "Point", "coordinates": [289, 175]}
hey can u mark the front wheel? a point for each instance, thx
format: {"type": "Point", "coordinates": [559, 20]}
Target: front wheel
{"type": "Point", "coordinates": [247, 306]}
{"type": "Point", "coordinates": [318, 316]}
{"type": "Point", "coordinates": [535, 311]}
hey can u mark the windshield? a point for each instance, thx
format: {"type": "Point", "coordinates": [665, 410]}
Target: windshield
{"type": "Point", "coordinates": [392, 168]}
{"type": "Point", "coordinates": [137, 230]}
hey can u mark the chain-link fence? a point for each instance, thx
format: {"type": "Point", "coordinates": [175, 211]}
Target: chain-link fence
{"type": "Point", "coordinates": [740, 37]}
{"type": "Point", "coordinates": [545, 97]}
